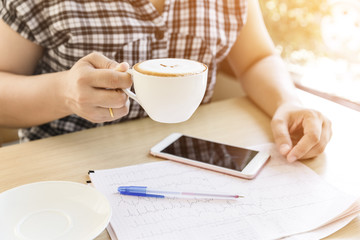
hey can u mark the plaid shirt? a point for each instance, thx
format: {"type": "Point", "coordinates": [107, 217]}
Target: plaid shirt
{"type": "Point", "coordinates": [127, 30]}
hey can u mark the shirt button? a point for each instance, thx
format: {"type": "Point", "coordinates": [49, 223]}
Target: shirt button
{"type": "Point", "coordinates": [159, 34]}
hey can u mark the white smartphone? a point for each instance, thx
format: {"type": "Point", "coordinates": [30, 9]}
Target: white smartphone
{"type": "Point", "coordinates": [233, 160]}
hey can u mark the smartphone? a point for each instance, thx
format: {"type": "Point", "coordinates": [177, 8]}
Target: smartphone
{"type": "Point", "coordinates": [233, 160]}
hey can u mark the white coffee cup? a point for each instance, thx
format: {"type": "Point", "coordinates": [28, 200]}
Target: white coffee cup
{"type": "Point", "coordinates": [169, 89]}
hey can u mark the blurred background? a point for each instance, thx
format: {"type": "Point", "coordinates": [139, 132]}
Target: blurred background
{"type": "Point", "coordinates": [320, 42]}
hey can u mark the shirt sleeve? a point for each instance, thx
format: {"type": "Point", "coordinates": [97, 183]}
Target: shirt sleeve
{"type": "Point", "coordinates": [21, 17]}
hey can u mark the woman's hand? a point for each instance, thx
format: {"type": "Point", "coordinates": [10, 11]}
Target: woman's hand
{"type": "Point", "coordinates": [300, 133]}
{"type": "Point", "coordinates": [93, 85]}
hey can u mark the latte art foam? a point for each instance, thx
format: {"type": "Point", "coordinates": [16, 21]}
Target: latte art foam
{"type": "Point", "coordinates": [170, 67]}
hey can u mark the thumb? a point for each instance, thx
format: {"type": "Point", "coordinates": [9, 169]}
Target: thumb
{"type": "Point", "coordinates": [100, 61]}
{"type": "Point", "coordinates": [281, 135]}
{"type": "Point", "coordinates": [122, 67]}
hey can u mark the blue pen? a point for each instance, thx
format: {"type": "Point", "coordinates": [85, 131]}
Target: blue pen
{"type": "Point", "coordinates": [143, 191]}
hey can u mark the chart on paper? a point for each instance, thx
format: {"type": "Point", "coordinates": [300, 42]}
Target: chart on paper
{"type": "Point", "coordinates": [275, 202]}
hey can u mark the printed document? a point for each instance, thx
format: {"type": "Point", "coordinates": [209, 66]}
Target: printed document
{"type": "Point", "coordinates": [285, 201]}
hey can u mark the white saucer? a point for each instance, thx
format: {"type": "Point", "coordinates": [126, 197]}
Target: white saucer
{"type": "Point", "coordinates": [53, 210]}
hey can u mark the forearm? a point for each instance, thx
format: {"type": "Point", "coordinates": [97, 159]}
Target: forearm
{"type": "Point", "coordinates": [269, 85]}
{"type": "Point", "coordinates": [30, 100]}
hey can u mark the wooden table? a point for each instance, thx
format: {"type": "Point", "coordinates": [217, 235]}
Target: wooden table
{"type": "Point", "coordinates": [235, 121]}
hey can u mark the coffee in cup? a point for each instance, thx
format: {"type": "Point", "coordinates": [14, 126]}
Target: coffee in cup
{"type": "Point", "coordinates": [169, 89]}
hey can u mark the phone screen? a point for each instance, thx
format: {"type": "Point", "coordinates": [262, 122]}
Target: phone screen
{"type": "Point", "coordinates": [218, 154]}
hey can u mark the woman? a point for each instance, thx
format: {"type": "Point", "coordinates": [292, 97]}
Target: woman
{"type": "Point", "coordinates": [63, 63]}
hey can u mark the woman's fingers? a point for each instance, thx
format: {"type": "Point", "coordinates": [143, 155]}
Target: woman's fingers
{"type": "Point", "coordinates": [108, 79]}
{"type": "Point", "coordinates": [106, 98]}
{"type": "Point", "coordinates": [320, 146]}
{"type": "Point", "coordinates": [103, 114]}
{"type": "Point", "coordinates": [300, 133]}
{"type": "Point", "coordinates": [312, 131]}
{"type": "Point", "coordinates": [281, 135]}
{"type": "Point", "coordinates": [93, 85]}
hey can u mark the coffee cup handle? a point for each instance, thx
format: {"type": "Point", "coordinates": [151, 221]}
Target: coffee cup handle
{"type": "Point", "coordinates": [127, 90]}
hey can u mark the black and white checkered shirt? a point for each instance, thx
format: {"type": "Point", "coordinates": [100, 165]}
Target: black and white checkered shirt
{"type": "Point", "coordinates": [126, 30]}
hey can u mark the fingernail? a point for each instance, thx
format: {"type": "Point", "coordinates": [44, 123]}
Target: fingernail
{"type": "Point", "coordinates": [119, 67]}
{"type": "Point", "coordinates": [123, 67]}
{"type": "Point", "coordinates": [292, 159]}
{"type": "Point", "coordinates": [284, 149]}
